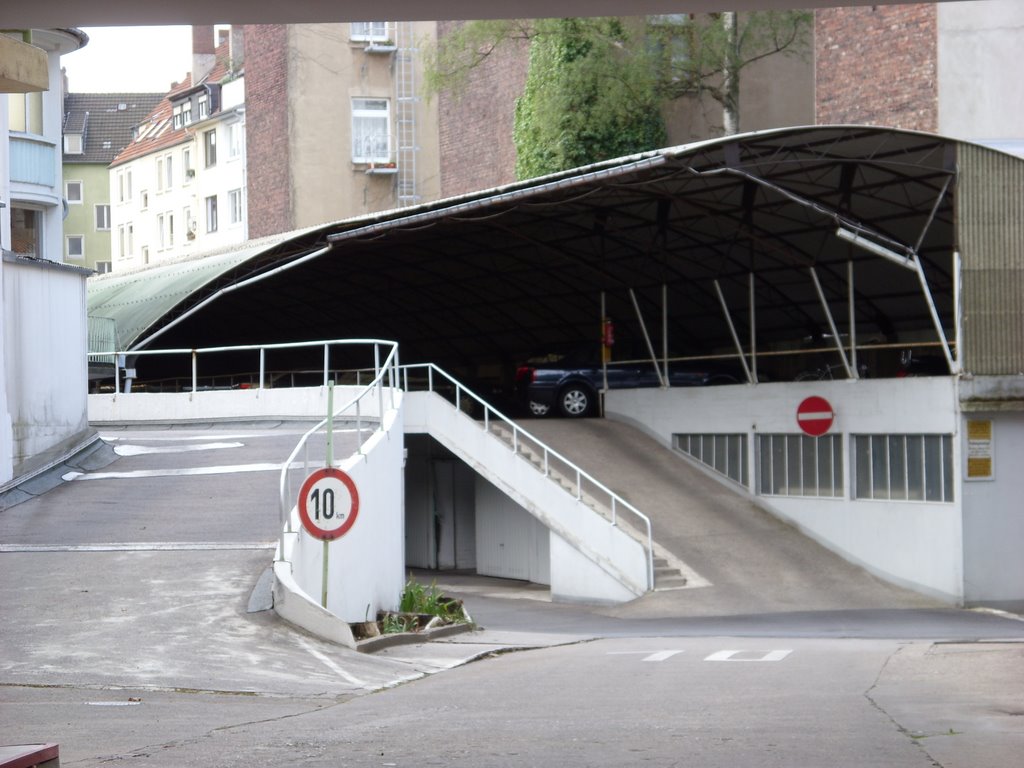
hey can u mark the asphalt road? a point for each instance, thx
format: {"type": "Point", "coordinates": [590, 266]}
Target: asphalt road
{"type": "Point", "coordinates": [125, 637]}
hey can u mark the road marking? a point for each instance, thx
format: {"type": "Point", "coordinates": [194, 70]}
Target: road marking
{"type": "Point", "coordinates": [112, 703]}
{"type": "Point", "coordinates": [141, 473]}
{"type": "Point", "coordinates": [140, 450]}
{"type": "Point", "coordinates": [748, 655]}
{"type": "Point", "coordinates": [164, 546]}
{"type": "Point", "coordinates": [331, 664]}
{"type": "Point", "coordinates": [656, 656]}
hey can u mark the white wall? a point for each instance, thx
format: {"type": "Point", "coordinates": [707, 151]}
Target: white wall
{"type": "Point", "coordinates": [45, 368]}
{"type": "Point", "coordinates": [510, 542]}
{"type": "Point", "coordinates": [978, 61]}
{"type": "Point", "coordinates": [994, 519]}
{"type": "Point", "coordinates": [915, 544]}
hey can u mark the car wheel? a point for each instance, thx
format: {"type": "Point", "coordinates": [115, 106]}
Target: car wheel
{"type": "Point", "coordinates": [539, 409]}
{"type": "Point", "coordinates": [575, 401]}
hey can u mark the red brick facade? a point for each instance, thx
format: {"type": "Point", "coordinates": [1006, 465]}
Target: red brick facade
{"type": "Point", "coordinates": [477, 151]}
{"type": "Point", "coordinates": [266, 131]}
{"type": "Point", "coordinates": [877, 66]}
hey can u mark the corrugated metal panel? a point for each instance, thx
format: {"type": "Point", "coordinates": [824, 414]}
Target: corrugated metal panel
{"type": "Point", "coordinates": [33, 162]}
{"type": "Point", "coordinates": [990, 228]}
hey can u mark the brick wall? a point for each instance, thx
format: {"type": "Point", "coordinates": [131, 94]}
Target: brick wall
{"type": "Point", "coordinates": [266, 130]}
{"type": "Point", "coordinates": [475, 128]}
{"type": "Point", "coordinates": [877, 66]}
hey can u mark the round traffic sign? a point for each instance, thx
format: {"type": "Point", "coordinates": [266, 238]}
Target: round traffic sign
{"type": "Point", "coordinates": [814, 416]}
{"type": "Point", "coordinates": [328, 503]}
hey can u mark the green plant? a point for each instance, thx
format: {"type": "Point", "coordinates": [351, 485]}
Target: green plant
{"type": "Point", "coordinates": [393, 624]}
{"type": "Point", "coordinates": [417, 598]}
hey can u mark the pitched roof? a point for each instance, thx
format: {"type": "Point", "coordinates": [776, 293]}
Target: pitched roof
{"type": "Point", "coordinates": [156, 131]}
{"type": "Point", "coordinates": [105, 121]}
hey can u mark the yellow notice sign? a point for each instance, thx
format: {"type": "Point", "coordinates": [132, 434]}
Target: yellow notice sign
{"type": "Point", "coordinates": [980, 447]}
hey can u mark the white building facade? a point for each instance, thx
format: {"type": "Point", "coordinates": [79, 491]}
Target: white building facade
{"type": "Point", "coordinates": [43, 389]}
{"type": "Point", "coordinates": [179, 188]}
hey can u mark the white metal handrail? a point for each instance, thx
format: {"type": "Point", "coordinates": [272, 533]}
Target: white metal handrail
{"type": "Point", "coordinates": [388, 369]}
{"type": "Point", "coordinates": [491, 414]}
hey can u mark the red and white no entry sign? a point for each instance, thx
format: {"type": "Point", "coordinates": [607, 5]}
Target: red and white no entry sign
{"type": "Point", "coordinates": [815, 416]}
{"type": "Point", "coordinates": [328, 503]}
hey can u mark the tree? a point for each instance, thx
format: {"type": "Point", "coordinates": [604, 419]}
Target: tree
{"type": "Point", "coordinates": [595, 87]}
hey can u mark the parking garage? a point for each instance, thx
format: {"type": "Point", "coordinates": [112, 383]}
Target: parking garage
{"type": "Point", "coordinates": [846, 250]}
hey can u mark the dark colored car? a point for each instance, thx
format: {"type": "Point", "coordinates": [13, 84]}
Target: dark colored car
{"type": "Point", "coordinates": [569, 384]}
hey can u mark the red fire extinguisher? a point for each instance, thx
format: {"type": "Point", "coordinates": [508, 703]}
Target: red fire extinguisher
{"type": "Point", "coordinates": [608, 333]}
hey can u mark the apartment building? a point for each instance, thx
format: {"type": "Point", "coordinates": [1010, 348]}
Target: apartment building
{"type": "Point", "coordinates": [179, 187]}
{"type": "Point", "coordinates": [42, 322]}
{"type": "Point", "coordinates": [337, 124]}
{"type": "Point", "coordinates": [97, 127]}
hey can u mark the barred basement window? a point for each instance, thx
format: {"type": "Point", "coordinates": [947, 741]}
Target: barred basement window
{"type": "Point", "coordinates": [726, 454]}
{"type": "Point", "coordinates": [799, 465]}
{"type": "Point", "coordinates": [903, 467]}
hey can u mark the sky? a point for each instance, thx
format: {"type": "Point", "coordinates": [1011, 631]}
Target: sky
{"type": "Point", "coordinates": [130, 59]}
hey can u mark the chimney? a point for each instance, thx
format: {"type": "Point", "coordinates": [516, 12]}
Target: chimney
{"type": "Point", "coordinates": [203, 57]}
{"type": "Point", "coordinates": [237, 48]}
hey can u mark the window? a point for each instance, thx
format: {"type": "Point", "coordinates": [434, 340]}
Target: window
{"type": "Point", "coordinates": [800, 465]}
{"type": "Point", "coordinates": [103, 267]}
{"type": "Point", "coordinates": [126, 240]}
{"type": "Point", "coordinates": [236, 137]}
{"type": "Point", "coordinates": [124, 186]}
{"type": "Point", "coordinates": [159, 174]}
{"type": "Point", "coordinates": [186, 164]}
{"type": "Point", "coordinates": [169, 218]}
{"type": "Point", "coordinates": [204, 107]}
{"type": "Point", "coordinates": [168, 172]}
{"type": "Point", "coordinates": [186, 113]}
{"type": "Point", "coordinates": [73, 192]}
{"type": "Point", "coordinates": [210, 147]}
{"type": "Point", "coordinates": [903, 467]}
{"type": "Point", "coordinates": [190, 223]}
{"type": "Point", "coordinates": [176, 117]}
{"type": "Point", "coordinates": [161, 240]}
{"type": "Point", "coordinates": [130, 230]}
{"type": "Point", "coordinates": [211, 213]}
{"type": "Point", "coordinates": [726, 454]}
{"type": "Point", "coordinates": [235, 204]}
{"type": "Point", "coordinates": [145, 254]}
{"type": "Point", "coordinates": [73, 144]}
{"type": "Point", "coordinates": [369, 31]}
{"type": "Point", "coordinates": [25, 232]}
{"type": "Point", "coordinates": [144, 199]}
{"type": "Point", "coordinates": [371, 140]}
{"type": "Point", "coordinates": [102, 217]}
{"type": "Point", "coordinates": [25, 112]}
{"type": "Point", "coordinates": [74, 247]}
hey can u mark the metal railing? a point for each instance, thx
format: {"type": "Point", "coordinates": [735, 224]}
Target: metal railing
{"type": "Point", "coordinates": [383, 370]}
{"type": "Point", "coordinates": [549, 462]}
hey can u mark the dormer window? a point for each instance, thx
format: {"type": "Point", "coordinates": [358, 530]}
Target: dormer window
{"type": "Point", "coordinates": [204, 107]}
{"type": "Point", "coordinates": [72, 143]}
{"type": "Point", "coordinates": [186, 113]}
{"type": "Point", "coordinates": [177, 120]}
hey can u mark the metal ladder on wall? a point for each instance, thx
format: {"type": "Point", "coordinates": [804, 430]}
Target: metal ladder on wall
{"type": "Point", "coordinates": [406, 100]}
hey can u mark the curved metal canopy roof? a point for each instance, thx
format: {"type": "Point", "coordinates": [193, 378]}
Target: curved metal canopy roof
{"type": "Point", "coordinates": [715, 228]}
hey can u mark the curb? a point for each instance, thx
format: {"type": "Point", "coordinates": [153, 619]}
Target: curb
{"type": "Point", "coordinates": [379, 643]}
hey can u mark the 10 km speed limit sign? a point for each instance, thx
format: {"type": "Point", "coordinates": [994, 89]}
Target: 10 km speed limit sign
{"type": "Point", "coordinates": [328, 504]}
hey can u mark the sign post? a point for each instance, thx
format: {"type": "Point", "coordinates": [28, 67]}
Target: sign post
{"type": "Point", "coordinates": [815, 415]}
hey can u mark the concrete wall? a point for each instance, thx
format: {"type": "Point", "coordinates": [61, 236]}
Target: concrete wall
{"type": "Point", "coordinates": [994, 519]}
{"type": "Point", "coordinates": [978, 61]}
{"type": "Point", "coordinates": [44, 363]}
{"type": "Point", "coordinates": [915, 544]}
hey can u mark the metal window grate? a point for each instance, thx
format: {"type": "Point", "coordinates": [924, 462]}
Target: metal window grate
{"type": "Point", "coordinates": [799, 465]}
{"type": "Point", "coordinates": [724, 453]}
{"type": "Point", "coordinates": [903, 467]}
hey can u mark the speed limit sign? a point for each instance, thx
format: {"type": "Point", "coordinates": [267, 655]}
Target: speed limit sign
{"type": "Point", "coordinates": [328, 503]}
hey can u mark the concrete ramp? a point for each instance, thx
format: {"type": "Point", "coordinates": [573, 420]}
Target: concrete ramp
{"type": "Point", "coordinates": [750, 561]}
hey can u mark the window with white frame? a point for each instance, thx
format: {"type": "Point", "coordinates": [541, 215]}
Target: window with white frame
{"type": "Point", "coordinates": [235, 205]}
{"type": "Point", "coordinates": [124, 186]}
{"type": "Point", "coordinates": [369, 31]}
{"type": "Point", "coordinates": [169, 172]}
{"type": "Point", "coordinates": [371, 131]}
{"type": "Point", "coordinates": [25, 112]}
{"type": "Point", "coordinates": [186, 113]}
{"type": "Point", "coordinates": [102, 217]}
{"type": "Point", "coordinates": [103, 267]}
{"type": "Point", "coordinates": [130, 234]}
{"type": "Point", "coordinates": [903, 467]}
{"type": "Point", "coordinates": [236, 140]}
{"type": "Point", "coordinates": [73, 143]}
{"type": "Point", "coordinates": [144, 199]}
{"type": "Point", "coordinates": [176, 119]}
{"type": "Point", "coordinates": [26, 231]}
{"type": "Point", "coordinates": [210, 147]}
{"type": "Point", "coordinates": [159, 174]}
{"type": "Point", "coordinates": [204, 106]}
{"type": "Point", "coordinates": [145, 254]}
{"type": "Point", "coordinates": [169, 220]}
{"type": "Point", "coordinates": [186, 164]}
{"type": "Point", "coordinates": [190, 223]}
{"type": "Point", "coordinates": [800, 465]}
{"type": "Point", "coordinates": [211, 213]}
{"type": "Point", "coordinates": [74, 247]}
{"type": "Point", "coordinates": [724, 453]}
{"type": "Point", "coordinates": [120, 242]}
{"type": "Point", "coordinates": [161, 239]}
{"type": "Point", "coordinates": [73, 192]}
